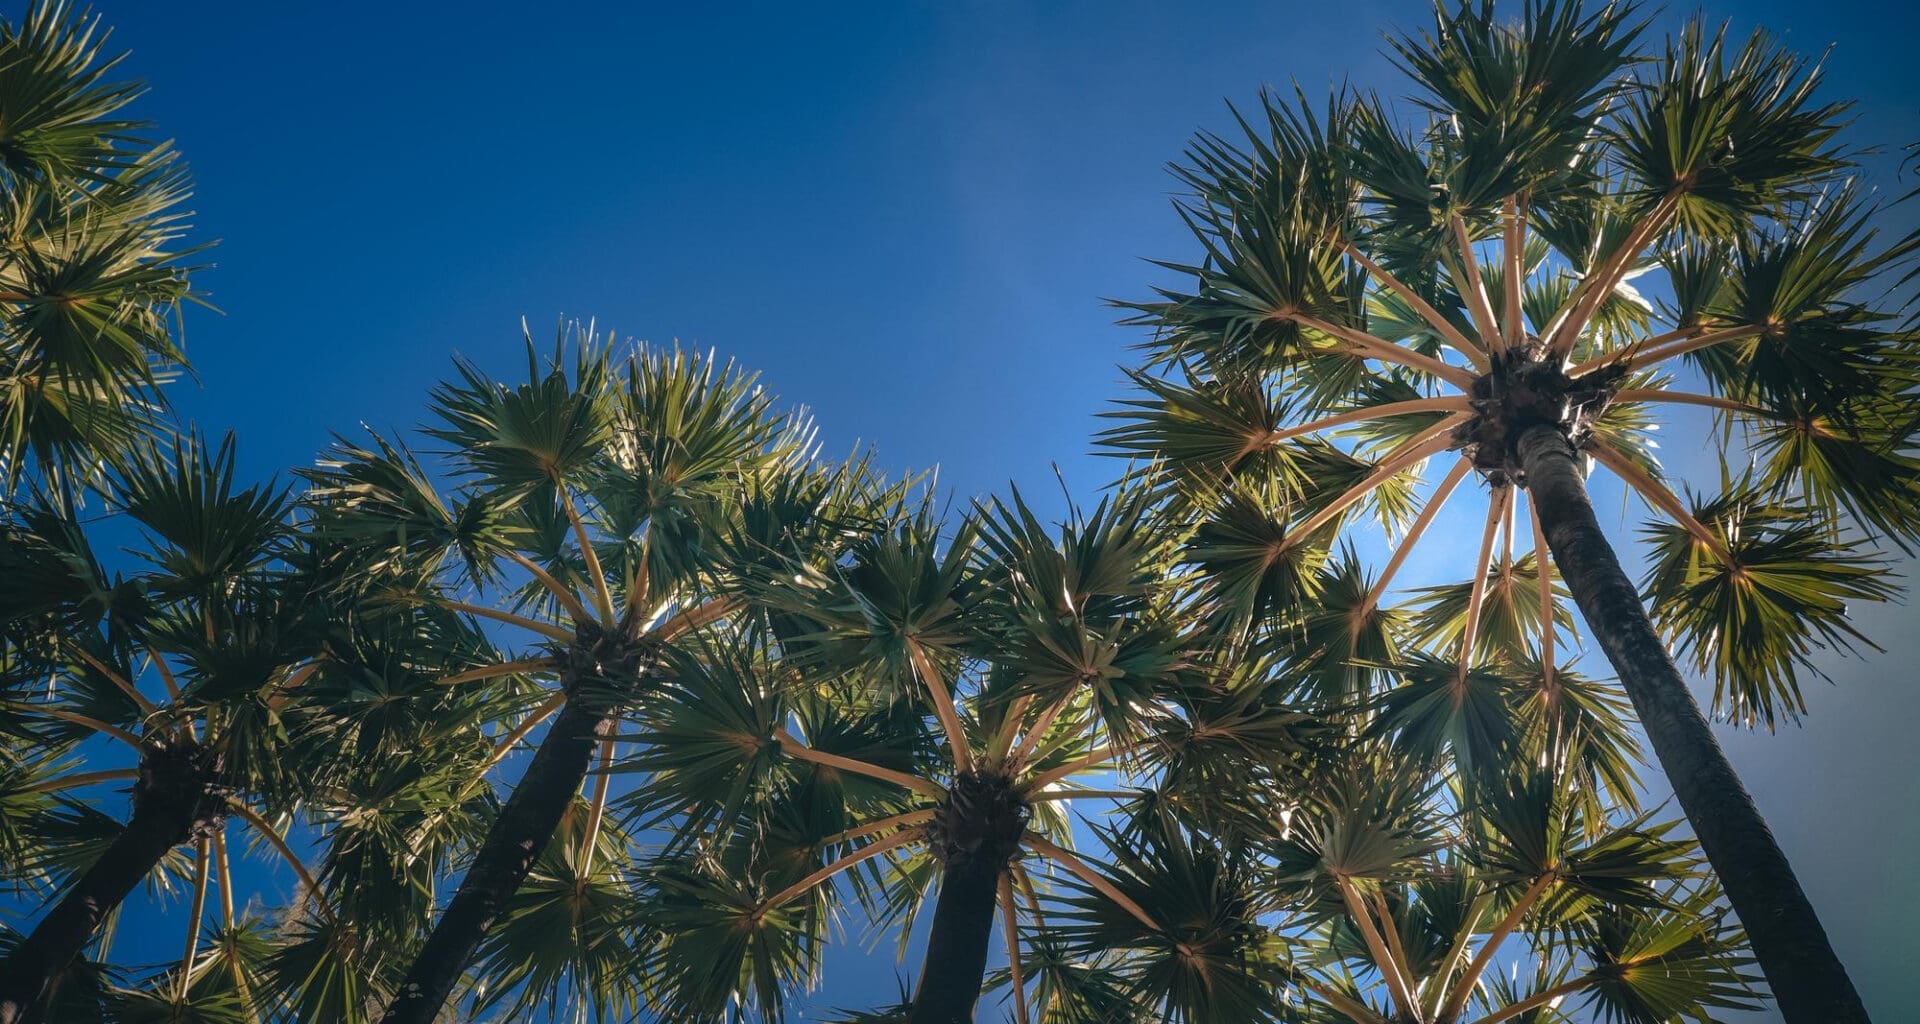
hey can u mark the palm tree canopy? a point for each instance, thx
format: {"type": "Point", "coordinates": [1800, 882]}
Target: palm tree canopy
{"type": "Point", "coordinates": [1564, 227]}
{"type": "Point", "coordinates": [606, 520]}
{"type": "Point", "coordinates": [1379, 896]}
{"type": "Point", "coordinates": [92, 267]}
{"type": "Point", "coordinates": [1567, 241]}
{"type": "Point", "coordinates": [936, 696]}
{"type": "Point", "coordinates": [212, 671]}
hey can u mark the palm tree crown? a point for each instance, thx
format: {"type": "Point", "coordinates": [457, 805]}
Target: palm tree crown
{"type": "Point", "coordinates": [91, 267]}
{"type": "Point", "coordinates": [195, 665]}
{"type": "Point", "coordinates": [1571, 241]}
{"type": "Point", "coordinates": [1381, 897]}
{"type": "Point", "coordinates": [606, 513]}
{"type": "Point", "coordinates": [917, 720]}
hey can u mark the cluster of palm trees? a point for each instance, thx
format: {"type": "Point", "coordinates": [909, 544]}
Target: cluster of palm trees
{"type": "Point", "coordinates": [607, 697]}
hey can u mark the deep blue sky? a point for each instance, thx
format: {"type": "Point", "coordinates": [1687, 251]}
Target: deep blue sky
{"type": "Point", "coordinates": [904, 214]}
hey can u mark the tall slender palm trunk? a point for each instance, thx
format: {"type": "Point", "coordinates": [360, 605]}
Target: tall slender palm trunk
{"type": "Point", "coordinates": [1807, 979]}
{"type": "Point", "coordinates": [524, 828]}
{"type": "Point", "coordinates": [171, 801]}
{"type": "Point", "coordinates": [956, 960]}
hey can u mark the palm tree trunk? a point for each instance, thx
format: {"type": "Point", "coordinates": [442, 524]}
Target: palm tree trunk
{"type": "Point", "coordinates": [524, 828]}
{"type": "Point", "coordinates": [156, 826]}
{"type": "Point", "coordinates": [956, 959]}
{"type": "Point", "coordinates": [1807, 979]}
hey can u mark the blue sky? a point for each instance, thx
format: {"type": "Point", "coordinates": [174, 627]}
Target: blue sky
{"type": "Point", "coordinates": [906, 215]}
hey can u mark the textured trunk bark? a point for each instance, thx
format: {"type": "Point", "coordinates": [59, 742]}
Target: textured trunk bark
{"type": "Point", "coordinates": [524, 828]}
{"type": "Point", "coordinates": [956, 959]}
{"type": "Point", "coordinates": [1807, 979]}
{"type": "Point", "coordinates": [154, 828]}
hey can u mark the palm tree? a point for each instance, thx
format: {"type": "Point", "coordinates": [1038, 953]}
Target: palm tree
{"type": "Point", "coordinates": [1214, 859]}
{"type": "Point", "coordinates": [90, 265]}
{"type": "Point", "coordinates": [193, 664]}
{"type": "Point", "coordinates": [915, 721]}
{"type": "Point", "coordinates": [233, 666]}
{"type": "Point", "coordinates": [604, 510]}
{"type": "Point", "coordinates": [1469, 289]}
{"type": "Point", "coordinates": [1380, 898]}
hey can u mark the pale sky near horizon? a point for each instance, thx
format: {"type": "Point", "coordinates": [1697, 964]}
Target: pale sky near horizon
{"type": "Point", "coordinates": [905, 214]}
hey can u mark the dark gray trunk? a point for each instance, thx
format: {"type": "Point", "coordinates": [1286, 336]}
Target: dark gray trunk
{"type": "Point", "coordinates": [524, 828]}
{"type": "Point", "coordinates": [70, 925]}
{"type": "Point", "coordinates": [174, 799]}
{"type": "Point", "coordinates": [956, 960]}
{"type": "Point", "coordinates": [1807, 979]}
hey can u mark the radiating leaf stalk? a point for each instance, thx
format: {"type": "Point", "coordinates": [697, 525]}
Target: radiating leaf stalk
{"type": "Point", "coordinates": [1084, 794]}
{"type": "Point", "coordinates": [596, 809]}
{"type": "Point", "coordinates": [1038, 730]}
{"type": "Point", "coordinates": [1539, 999]}
{"type": "Point", "coordinates": [1390, 931]}
{"type": "Point", "coordinates": [279, 844]}
{"type": "Point", "coordinates": [1507, 523]}
{"type": "Point", "coordinates": [1470, 979]}
{"type": "Point", "coordinates": [1661, 498]}
{"type": "Point", "coordinates": [223, 876]}
{"type": "Point", "coordinates": [697, 617]}
{"type": "Point", "coordinates": [1689, 398]}
{"type": "Point", "coordinates": [854, 859]}
{"type": "Point", "coordinates": [1601, 281]}
{"type": "Point", "coordinates": [1474, 287]}
{"type": "Point", "coordinates": [1029, 893]}
{"type": "Point", "coordinates": [1009, 915]}
{"type": "Point", "coordinates": [640, 624]}
{"type": "Point", "coordinates": [196, 908]}
{"type": "Point", "coordinates": [166, 673]}
{"type": "Point", "coordinates": [520, 666]}
{"type": "Point", "coordinates": [1092, 878]}
{"type": "Point", "coordinates": [505, 744]}
{"type": "Point", "coordinates": [1390, 969]}
{"type": "Point", "coordinates": [560, 591]}
{"type": "Point", "coordinates": [546, 629]}
{"type": "Point", "coordinates": [1438, 403]}
{"type": "Point", "coordinates": [79, 719]}
{"type": "Point", "coordinates": [74, 780]}
{"type": "Point", "coordinates": [1514, 229]}
{"type": "Point", "coordinates": [1099, 756]}
{"type": "Point", "coordinates": [943, 706]}
{"type": "Point", "coordinates": [1416, 448]}
{"type": "Point", "coordinates": [903, 820]}
{"type": "Point", "coordinates": [119, 681]}
{"type": "Point", "coordinates": [1635, 348]}
{"type": "Point", "coordinates": [1000, 746]}
{"type": "Point", "coordinates": [601, 595]}
{"type": "Point", "coordinates": [1340, 1001]}
{"type": "Point", "coordinates": [640, 575]}
{"type": "Point", "coordinates": [1651, 356]}
{"type": "Point", "coordinates": [1368, 346]}
{"type": "Point", "coordinates": [1496, 508]}
{"type": "Point", "coordinates": [793, 747]}
{"type": "Point", "coordinates": [1435, 503]}
{"type": "Point", "coordinates": [277, 695]}
{"type": "Point", "coordinates": [1421, 306]}
{"type": "Point", "coordinates": [1456, 950]}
